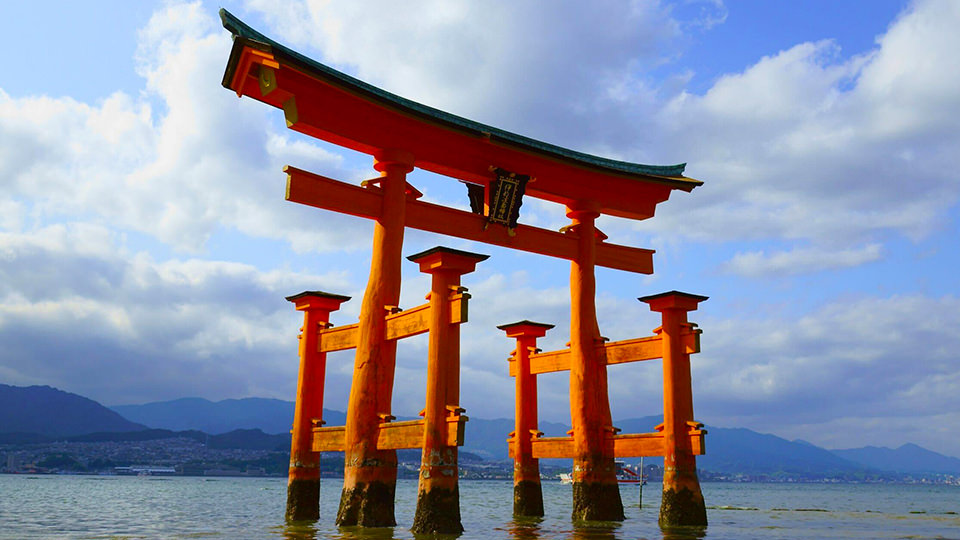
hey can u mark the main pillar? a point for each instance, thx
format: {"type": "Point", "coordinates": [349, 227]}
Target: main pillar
{"type": "Point", "coordinates": [370, 475]}
{"type": "Point", "coordinates": [438, 494]}
{"type": "Point", "coordinates": [303, 479]}
{"type": "Point", "coordinates": [527, 493]}
{"type": "Point", "coordinates": [682, 503]}
{"type": "Point", "coordinates": [596, 496]}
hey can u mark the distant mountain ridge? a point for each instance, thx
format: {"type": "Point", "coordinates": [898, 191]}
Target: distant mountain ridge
{"type": "Point", "coordinates": [265, 423]}
{"type": "Point", "coordinates": [215, 417]}
{"type": "Point", "coordinates": [908, 458]}
{"type": "Point", "coordinates": [47, 411]}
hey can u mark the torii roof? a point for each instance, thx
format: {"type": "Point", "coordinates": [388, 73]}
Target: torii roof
{"type": "Point", "coordinates": [341, 109]}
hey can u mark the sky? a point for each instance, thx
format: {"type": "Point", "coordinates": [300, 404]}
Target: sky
{"type": "Point", "coordinates": [146, 249]}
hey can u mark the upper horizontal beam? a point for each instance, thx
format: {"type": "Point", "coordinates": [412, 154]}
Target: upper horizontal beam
{"type": "Point", "coordinates": [402, 324]}
{"type": "Point", "coordinates": [614, 352]}
{"type": "Point", "coordinates": [319, 191]}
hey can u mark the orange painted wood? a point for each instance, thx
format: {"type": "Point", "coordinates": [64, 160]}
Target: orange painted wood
{"type": "Point", "coordinates": [415, 321]}
{"type": "Point", "coordinates": [410, 322]}
{"type": "Point", "coordinates": [321, 192]}
{"type": "Point", "coordinates": [553, 447]}
{"type": "Point", "coordinates": [320, 108]}
{"type": "Point", "coordinates": [329, 439]}
{"type": "Point", "coordinates": [679, 462]}
{"type": "Point", "coordinates": [371, 391]}
{"type": "Point", "coordinates": [622, 446]}
{"type": "Point", "coordinates": [396, 435]}
{"type": "Point", "coordinates": [589, 403]}
{"type": "Point", "coordinates": [304, 461]}
{"type": "Point", "coordinates": [400, 325]}
{"type": "Point", "coordinates": [338, 338]}
{"type": "Point", "coordinates": [614, 352]}
{"type": "Point", "coordinates": [391, 435]}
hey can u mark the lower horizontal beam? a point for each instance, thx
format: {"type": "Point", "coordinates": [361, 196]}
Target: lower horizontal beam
{"type": "Point", "coordinates": [622, 446]}
{"type": "Point", "coordinates": [321, 192]}
{"type": "Point", "coordinates": [392, 435]}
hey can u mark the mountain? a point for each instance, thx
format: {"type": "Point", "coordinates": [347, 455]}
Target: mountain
{"type": "Point", "coordinates": [909, 458]}
{"type": "Point", "coordinates": [488, 438]}
{"type": "Point", "coordinates": [41, 413]}
{"type": "Point", "coordinates": [744, 451]}
{"type": "Point", "coordinates": [47, 411]}
{"type": "Point", "coordinates": [269, 415]}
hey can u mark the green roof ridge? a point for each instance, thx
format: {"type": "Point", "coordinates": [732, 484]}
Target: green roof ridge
{"type": "Point", "coordinates": [240, 29]}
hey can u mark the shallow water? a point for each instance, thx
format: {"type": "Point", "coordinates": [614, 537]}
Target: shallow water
{"type": "Point", "coordinates": [103, 507]}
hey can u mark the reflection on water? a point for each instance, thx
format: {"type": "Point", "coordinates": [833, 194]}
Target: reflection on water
{"type": "Point", "coordinates": [525, 528]}
{"type": "Point", "coordinates": [606, 530]}
{"type": "Point", "coordinates": [240, 508]}
{"type": "Point", "coordinates": [684, 533]}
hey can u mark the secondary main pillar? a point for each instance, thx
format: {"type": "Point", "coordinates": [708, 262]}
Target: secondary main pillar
{"type": "Point", "coordinates": [303, 479]}
{"type": "Point", "coordinates": [682, 503]}
{"type": "Point", "coordinates": [370, 475]}
{"type": "Point", "coordinates": [596, 495]}
{"type": "Point", "coordinates": [438, 494]}
{"type": "Point", "coordinates": [527, 492]}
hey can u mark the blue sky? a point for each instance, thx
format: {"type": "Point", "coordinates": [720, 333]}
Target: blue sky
{"type": "Point", "coordinates": [145, 247]}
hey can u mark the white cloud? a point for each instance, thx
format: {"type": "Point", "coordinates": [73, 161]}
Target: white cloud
{"type": "Point", "coordinates": [805, 146]}
{"type": "Point", "coordinates": [799, 261]}
{"type": "Point", "coordinates": [178, 162]}
{"type": "Point", "coordinates": [867, 357]}
{"type": "Point", "coordinates": [79, 312]}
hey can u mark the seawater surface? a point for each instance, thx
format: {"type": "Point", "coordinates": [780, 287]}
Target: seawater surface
{"type": "Point", "coordinates": [110, 507]}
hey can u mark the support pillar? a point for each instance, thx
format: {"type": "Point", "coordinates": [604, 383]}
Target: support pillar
{"type": "Point", "coordinates": [370, 475]}
{"type": "Point", "coordinates": [596, 495]}
{"type": "Point", "coordinates": [682, 503]}
{"type": "Point", "coordinates": [303, 480]}
{"type": "Point", "coordinates": [438, 494]}
{"type": "Point", "coordinates": [527, 493]}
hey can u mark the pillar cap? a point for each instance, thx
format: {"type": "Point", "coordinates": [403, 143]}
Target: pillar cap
{"type": "Point", "coordinates": [525, 328]}
{"type": "Point", "coordinates": [444, 258]}
{"type": "Point", "coordinates": [317, 300]}
{"type": "Point", "coordinates": [383, 158]}
{"type": "Point", "coordinates": [673, 300]}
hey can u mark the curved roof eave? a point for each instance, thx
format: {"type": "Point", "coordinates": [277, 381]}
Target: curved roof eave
{"type": "Point", "coordinates": [667, 174]}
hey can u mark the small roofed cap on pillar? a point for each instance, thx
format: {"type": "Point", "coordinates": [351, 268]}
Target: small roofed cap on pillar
{"type": "Point", "coordinates": [673, 300]}
{"type": "Point", "coordinates": [525, 328]}
{"type": "Point", "coordinates": [444, 258]}
{"type": "Point", "coordinates": [317, 300]}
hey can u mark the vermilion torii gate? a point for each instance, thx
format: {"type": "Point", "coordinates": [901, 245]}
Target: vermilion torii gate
{"type": "Point", "coordinates": [500, 167]}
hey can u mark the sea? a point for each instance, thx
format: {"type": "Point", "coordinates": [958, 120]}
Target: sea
{"type": "Point", "coordinates": [120, 507]}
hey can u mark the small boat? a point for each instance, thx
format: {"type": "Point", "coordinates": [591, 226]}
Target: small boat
{"type": "Point", "coordinates": [625, 475]}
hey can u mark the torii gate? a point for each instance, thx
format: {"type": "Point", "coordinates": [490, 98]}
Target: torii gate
{"type": "Point", "coordinates": [400, 134]}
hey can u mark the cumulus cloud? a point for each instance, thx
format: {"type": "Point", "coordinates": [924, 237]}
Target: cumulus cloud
{"type": "Point", "coordinates": [868, 357]}
{"type": "Point", "coordinates": [805, 145]}
{"type": "Point", "coordinates": [799, 261]}
{"type": "Point", "coordinates": [79, 312]}
{"type": "Point", "coordinates": [179, 162]}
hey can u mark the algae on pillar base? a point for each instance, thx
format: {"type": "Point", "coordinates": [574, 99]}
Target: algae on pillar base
{"type": "Point", "coordinates": [438, 492]}
{"type": "Point", "coordinates": [596, 495]}
{"type": "Point", "coordinates": [303, 480]}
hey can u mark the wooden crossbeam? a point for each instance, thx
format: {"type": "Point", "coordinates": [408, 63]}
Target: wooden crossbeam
{"type": "Point", "coordinates": [321, 192]}
{"type": "Point", "coordinates": [402, 324]}
{"type": "Point", "coordinates": [392, 435]}
{"type": "Point", "coordinates": [623, 446]}
{"type": "Point", "coordinates": [614, 352]}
